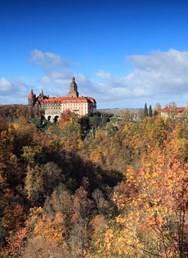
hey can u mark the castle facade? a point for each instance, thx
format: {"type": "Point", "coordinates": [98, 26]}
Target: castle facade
{"type": "Point", "coordinates": [54, 106]}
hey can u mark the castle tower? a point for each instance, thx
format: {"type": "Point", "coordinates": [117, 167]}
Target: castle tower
{"type": "Point", "coordinates": [73, 89]}
{"type": "Point", "coordinates": [31, 99]}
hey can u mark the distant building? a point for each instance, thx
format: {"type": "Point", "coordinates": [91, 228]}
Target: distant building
{"type": "Point", "coordinates": [169, 112]}
{"type": "Point", "coordinates": [54, 106]}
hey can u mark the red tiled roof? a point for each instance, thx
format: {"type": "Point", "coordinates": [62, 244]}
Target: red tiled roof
{"type": "Point", "coordinates": [172, 110]}
{"type": "Point", "coordinates": [40, 97]}
{"type": "Point", "coordinates": [68, 99]}
{"type": "Point", "coordinates": [91, 99]}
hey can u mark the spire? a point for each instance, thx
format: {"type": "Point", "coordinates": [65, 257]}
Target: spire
{"type": "Point", "coordinates": [31, 99]}
{"type": "Point", "coordinates": [31, 95]}
{"type": "Point", "coordinates": [73, 89]}
{"type": "Point", "coordinates": [73, 84]}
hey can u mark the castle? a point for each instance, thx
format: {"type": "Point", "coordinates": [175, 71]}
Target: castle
{"type": "Point", "coordinates": [54, 106]}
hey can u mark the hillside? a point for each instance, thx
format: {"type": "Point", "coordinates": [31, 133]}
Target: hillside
{"type": "Point", "coordinates": [119, 191]}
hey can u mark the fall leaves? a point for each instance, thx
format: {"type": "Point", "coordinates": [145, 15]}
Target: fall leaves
{"type": "Point", "coordinates": [121, 191]}
{"type": "Point", "coordinates": [152, 206]}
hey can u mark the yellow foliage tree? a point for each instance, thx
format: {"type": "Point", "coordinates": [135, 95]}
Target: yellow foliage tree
{"type": "Point", "coordinates": [152, 215]}
{"type": "Point", "coordinates": [46, 237]}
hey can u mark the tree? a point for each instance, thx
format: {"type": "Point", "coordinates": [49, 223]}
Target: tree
{"type": "Point", "coordinates": [157, 109]}
{"type": "Point", "coordinates": [152, 211]}
{"type": "Point", "coordinates": [162, 192]}
{"type": "Point", "coordinates": [34, 185]}
{"type": "Point", "coordinates": [15, 244]}
{"type": "Point", "coordinates": [172, 105]}
{"type": "Point", "coordinates": [145, 110]}
{"type": "Point", "coordinates": [33, 154]}
{"type": "Point", "coordinates": [80, 222]}
{"type": "Point", "coordinates": [127, 115]}
{"type": "Point", "coordinates": [52, 175]}
{"type": "Point", "coordinates": [150, 112]}
{"type": "Point", "coordinates": [45, 235]}
{"type": "Point", "coordinates": [70, 135]}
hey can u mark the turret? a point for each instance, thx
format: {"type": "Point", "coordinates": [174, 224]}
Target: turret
{"type": "Point", "coordinates": [31, 99]}
{"type": "Point", "coordinates": [73, 89]}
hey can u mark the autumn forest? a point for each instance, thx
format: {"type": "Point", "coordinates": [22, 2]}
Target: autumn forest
{"type": "Point", "coordinates": [100, 187]}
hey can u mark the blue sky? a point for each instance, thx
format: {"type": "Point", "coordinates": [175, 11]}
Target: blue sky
{"type": "Point", "coordinates": [123, 53]}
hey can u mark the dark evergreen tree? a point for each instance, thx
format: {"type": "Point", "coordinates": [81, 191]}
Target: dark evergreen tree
{"type": "Point", "coordinates": [150, 112]}
{"type": "Point", "coordinates": [145, 110]}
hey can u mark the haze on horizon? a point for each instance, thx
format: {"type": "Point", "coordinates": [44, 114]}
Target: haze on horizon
{"type": "Point", "coordinates": [123, 53]}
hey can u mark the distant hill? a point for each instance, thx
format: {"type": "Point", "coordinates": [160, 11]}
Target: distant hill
{"type": "Point", "coordinates": [117, 111]}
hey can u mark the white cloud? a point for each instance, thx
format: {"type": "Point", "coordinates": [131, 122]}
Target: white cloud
{"type": "Point", "coordinates": [5, 85]}
{"type": "Point", "coordinates": [158, 74]}
{"type": "Point", "coordinates": [13, 92]}
{"type": "Point", "coordinates": [56, 82]}
{"type": "Point", "coordinates": [161, 72]}
{"type": "Point", "coordinates": [45, 79]}
{"type": "Point", "coordinates": [156, 77]}
{"type": "Point", "coordinates": [56, 72]}
{"type": "Point", "coordinates": [104, 75]}
{"type": "Point", "coordinates": [59, 77]}
{"type": "Point", "coordinates": [172, 59]}
{"type": "Point", "coordinates": [48, 59]}
{"type": "Point", "coordinates": [37, 55]}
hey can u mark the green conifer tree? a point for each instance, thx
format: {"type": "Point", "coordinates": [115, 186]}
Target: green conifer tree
{"type": "Point", "coordinates": [145, 110]}
{"type": "Point", "coordinates": [150, 112]}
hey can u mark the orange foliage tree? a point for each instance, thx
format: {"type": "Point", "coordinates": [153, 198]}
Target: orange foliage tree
{"type": "Point", "coordinates": [152, 205]}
